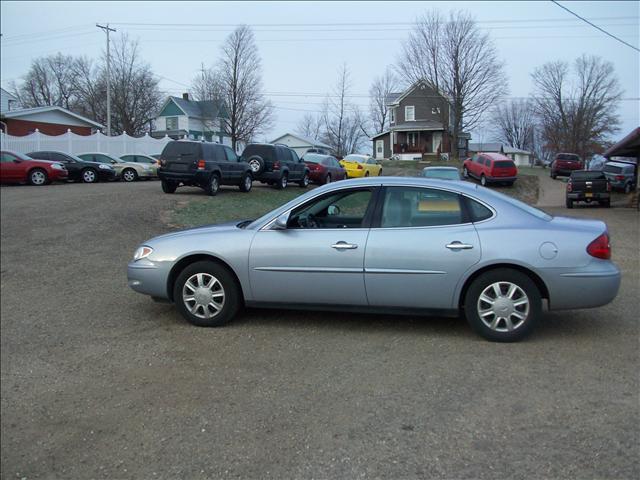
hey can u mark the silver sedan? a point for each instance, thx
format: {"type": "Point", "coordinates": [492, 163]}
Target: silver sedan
{"type": "Point", "coordinates": [393, 245]}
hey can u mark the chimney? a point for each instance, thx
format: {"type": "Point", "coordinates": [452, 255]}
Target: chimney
{"type": "Point", "coordinates": [185, 96]}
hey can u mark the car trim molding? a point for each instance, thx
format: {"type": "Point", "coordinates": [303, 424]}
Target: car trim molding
{"type": "Point", "coordinates": [400, 271]}
{"type": "Point", "coordinates": [310, 269]}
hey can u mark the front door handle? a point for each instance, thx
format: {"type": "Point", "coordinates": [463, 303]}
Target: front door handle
{"type": "Point", "coordinates": [344, 246]}
{"type": "Point", "coordinates": [459, 246]}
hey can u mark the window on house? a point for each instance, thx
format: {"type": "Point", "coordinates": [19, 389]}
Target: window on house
{"type": "Point", "coordinates": [172, 123]}
{"type": "Point", "coordinates": [410, 113]}
{"type": "Point", "coordinates": [412, 138]}
{"type": "Point", "coordinates": [392, 113]}
{"type": "Point", "coordinates": [435, 110]}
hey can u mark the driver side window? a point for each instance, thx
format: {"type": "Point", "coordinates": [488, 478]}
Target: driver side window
{"type": "Point", "coordinates": [343, 209]}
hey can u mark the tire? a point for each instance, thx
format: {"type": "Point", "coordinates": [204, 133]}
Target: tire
{"type": "Point", "coordinates": [465, 172]}
{"type": "Point", "coordinates": [213, 185]}
{"type": "Point", "coordinates": [483, 180]}
{"type": "Point", "coordinates": [510, 328]}
{"type": "Point", "coordinates": [627, 188]}
{"type": "Point", "coordinates": [304, 183]}
{"type": "Point", "coordinates": [569, 203]}
{"type": "Point", "coordinates": [327, 179]}
{"type": "Point", "coordinates": [509, 184]}
{"type": "Point", "coordinates": [366, 174]}
{"type": "Point", "coordinates": [283, 182]}
{"type": "Point", "coordinates": [129, 175]}
{"type": "Point", "coordinates": [38, 177]}
{"type": "Point", "coordinates": [89, 175]}
{"type": "Point", "coordinates": [553, 175]}
{"type": "Point", "coordinates": [225, 296]}
{"type": "Point", "coordinates": [256, 163]}
{"type": "Point", "coordinates": [246, 183]}
{"type": "Point", "coordinates": [606, 203]}
{"type": "Point", "coordinates": [380, 173]}
{"type": "Point", "coordinates": [168, 186]}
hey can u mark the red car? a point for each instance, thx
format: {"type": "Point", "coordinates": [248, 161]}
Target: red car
{"type": "Point", "coordinates": [323, 168]}
{"type": "Point", "coordinates": [490, 168]}
{"type": "Point", "coordinates": [565, 163]}
{"type": "Point", "coordinates": [19, 168]}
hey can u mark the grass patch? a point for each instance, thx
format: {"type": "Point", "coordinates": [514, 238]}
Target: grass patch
{"type": "Point", "coordinates": [195, 208]}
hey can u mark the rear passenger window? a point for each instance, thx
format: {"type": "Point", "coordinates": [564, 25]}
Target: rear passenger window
{"type": "Point", "coordinates": [478, 211]}
{"type": "Point", "coordinates": [294, 156]}
{"type": "Point", "coordinates": [420, 207]}
{"type": "Point", "coordinates": [231, 155]}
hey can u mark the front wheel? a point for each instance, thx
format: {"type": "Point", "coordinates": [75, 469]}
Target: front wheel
{"type": "Point", "coordinates": [483, 181]}
{"type": "Point", "coordinates": [380, 173]}
{"type": "Point", "coordinates": [503, 305]}
{"type": "Point", "coordinates": [168, 187]}
{"type": "Point", "coordinates": [246, 183]}
{"type": "Point", "coordinates": [553, 175]}
{"type": "Point", "coordinates": [283, 182]}
{"type": "Point", "coordinates": [627, 188]}
{"type": "Point", "coordinates": [206, 294]}
{"type": "Point", "coordinates": [569, 203]}
{"type": "Point", "coordinates": [465, 172]}
{"type": "Point", "coordinates": [38, 177]}
{"type": "Point", "coordinates": [304, 183]}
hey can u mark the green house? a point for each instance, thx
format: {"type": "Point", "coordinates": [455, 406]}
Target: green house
{"type": "Point", "coordinates": [196, 120]}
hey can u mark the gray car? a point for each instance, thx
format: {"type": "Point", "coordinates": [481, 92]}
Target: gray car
{"type": "Point", "coordinates": [387, 244]}
{"type": "Point", "coordinates": [621, 175]}
{"type": "Point", "coordinates": [444, 173]}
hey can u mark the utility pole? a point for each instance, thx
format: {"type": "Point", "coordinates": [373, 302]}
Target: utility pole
{"type": "Point", "coordinates": [107, 29]}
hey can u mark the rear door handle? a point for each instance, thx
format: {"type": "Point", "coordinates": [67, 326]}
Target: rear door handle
{"type": "Point", "coordinates": [344, 246]}
{"type": "Point", "coordinates": [459, 246]}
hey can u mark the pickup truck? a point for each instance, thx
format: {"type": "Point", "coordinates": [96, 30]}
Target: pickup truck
{"type": "Point", "coordinates": [588, 186]}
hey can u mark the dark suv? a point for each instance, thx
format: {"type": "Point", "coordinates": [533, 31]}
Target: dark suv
{"type": "Point", "coordinates": [565, 163]}
{"type": "Point", "coordinates": [204, 165]}
{"type": "Point", "coordinates": [275, 164]}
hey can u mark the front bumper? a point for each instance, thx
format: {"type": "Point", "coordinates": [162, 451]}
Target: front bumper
{"type": "Point", "coordinates": [149, 278]}
{"type": "Point", "coordinates": [107, 175]}
{"type": "Point", "coordinates": [593, 286]}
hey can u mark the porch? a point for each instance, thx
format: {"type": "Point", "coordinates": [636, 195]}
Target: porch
{"type": "Point", "coordinates": [419, 142]}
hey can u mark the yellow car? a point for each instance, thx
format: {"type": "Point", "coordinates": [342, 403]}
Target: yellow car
{"type": "Point", "coordinates": [361, 166]}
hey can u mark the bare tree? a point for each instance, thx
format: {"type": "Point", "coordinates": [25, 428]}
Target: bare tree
{"type": "Point", "coordinates": [207, 85]}
{"type": "Point", "coordinates": [342, 121]}
{"type": "Point", "coordinates": [514, 123]}
{"type": "Point", "coordinates": [379, 92]}
{"type": "Point", "coordinates": [458, 60]}
{"type": "Point", "coordinates": [249, 113]}
{"type": "Point", "coordinates": [90, 86]}
{"type": "Point", "coordinates": [311, 126]}
{"type": "Point", "coordinates": [49, 81]}
{"type": "Point", "coordinates": [577, 105]}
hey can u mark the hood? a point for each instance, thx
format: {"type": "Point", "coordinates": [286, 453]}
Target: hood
{"type": "Point", "coordinates": [203, 229]}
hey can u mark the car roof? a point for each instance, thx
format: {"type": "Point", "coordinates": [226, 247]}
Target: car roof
{"type": "Point", "coordinates": [441, 168]}
{"type": "Point", "coordinates": [621, 164]}
{"type": "Point", "coordinates": [495, 156]}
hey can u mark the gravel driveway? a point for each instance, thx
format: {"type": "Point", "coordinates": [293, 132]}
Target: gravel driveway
{"type": "Point", "coordinates": [99, 382]}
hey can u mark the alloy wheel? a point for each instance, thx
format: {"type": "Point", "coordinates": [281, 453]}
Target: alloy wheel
{"type": "Point", "coordinates": [254, 165]}
{"type": "Point", "coordinates": [503, 306]}
{"type": "Point", "coordinates": [89, 176]}
{"type": "Point", "coordinates": [129, 176]}
{"type": "Point", "coordinates": [38, 178]}
{"type": "Point", "coordinates": [203, 295]}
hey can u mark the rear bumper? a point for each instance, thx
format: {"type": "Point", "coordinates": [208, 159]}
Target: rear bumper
{"type": "Point", "coordinates": [270, 176]}
{"type": "Point", "coordinates": [501, 179]}
{"type": "Point", "coordinates": [588, 287]}
{"type": "Point", "coordinates": [564, 171]}
{"type": "Point", "coordinates": [354, 172]}
{"type": "Point", "coordinates": [581, 196]}
{"type": "Point", "coordinates": [198, 177]}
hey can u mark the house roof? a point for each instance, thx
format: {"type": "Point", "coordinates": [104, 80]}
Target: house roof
{"type": "Point", "coordinates": [381, 134]}
{"type": "Point", "coordinates": [25, 112]}
{"type": "Point", "coordinates": [507, 149]}
{"type": "Point", "coordinates": [199, 108]}
{"type": "Point", "coordinates": [421, 125]}
{"type": "Point", "coordinates": [396, 98]}
{"type": "Point", "coordinates": [629, 146]}
{"type": "Point", "coordinates": [486, 147]}
{"type": "Point", "coordinates": [7, 94]}
{"type": "Point", "coordinates": [308, 141]}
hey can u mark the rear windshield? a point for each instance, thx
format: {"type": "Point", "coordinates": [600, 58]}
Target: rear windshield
{"type": "Point", "coordinates": [587, 175]}
{"type": "Point", "coordinates": [264, 151]}
{"type": "Point", "coordinates": [354, 158]}
{"type": "Point", "coordinates": [314, 158]}
{"type": "Point", "coordinates": [174, 150]}
{"type": "Point", "coordinates": [568, 156]}
{"type": "Point", "coordinates": [612, 169]}
{"type": "Point", "coordinates": [504, 164]}
{"type": "Point", "coordinates": [446, 174]}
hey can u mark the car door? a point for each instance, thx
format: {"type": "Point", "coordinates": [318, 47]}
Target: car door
{"type": "Point", "coordinates": [10, 168]}
{"type": "Point", "coordinates": [418, 248]}
{"type": "Point", "coordinates": [297, 164]}
{"type": "Point", "coordinates": [315, 263]}
{"type": "Point", "coordinates": [235, 167]}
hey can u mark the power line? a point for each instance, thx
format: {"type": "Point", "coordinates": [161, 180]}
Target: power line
{"type": "Point", "coordinates": [595, 26]}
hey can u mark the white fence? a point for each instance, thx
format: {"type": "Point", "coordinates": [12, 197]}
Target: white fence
{"type": "Point", "coordinates": [74, 144]}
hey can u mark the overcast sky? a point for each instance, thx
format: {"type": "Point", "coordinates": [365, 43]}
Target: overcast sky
{"type": "Point", "coordinates": [302, 44]}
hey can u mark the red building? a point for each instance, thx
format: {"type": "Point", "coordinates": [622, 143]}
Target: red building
{"type": "Point", "coordinates": [48, 120]}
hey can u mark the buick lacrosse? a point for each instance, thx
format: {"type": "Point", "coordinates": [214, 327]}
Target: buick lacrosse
{"type": "Point", "coordinates": [392, 245]}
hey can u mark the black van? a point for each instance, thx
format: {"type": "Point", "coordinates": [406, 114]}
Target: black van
{"type": "Point", "coordinates": [202, 164]}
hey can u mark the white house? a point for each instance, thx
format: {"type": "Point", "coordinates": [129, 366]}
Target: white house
{"type": "Point", "coordinates": [197, 120]}
{"type": "Point", "coordinates": [300, 144]}
{"type": "Point", "coordinates": [519, 157]}
{"type": "Point", "coordinates": [8, 101]}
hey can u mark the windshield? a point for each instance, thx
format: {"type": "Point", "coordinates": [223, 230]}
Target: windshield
{"type": "Point", "coordinates": [444, 173]}
{"type": "Point", "coordinates": [612, 169]}
{"type": "Point", "coordinates": [568, 156]}
{"type": "Point", "coordinates": [313, 158]}
{"type": "Point", "coordinates": [504, 164]}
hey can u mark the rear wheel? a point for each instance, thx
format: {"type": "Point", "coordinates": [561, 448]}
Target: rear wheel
{"type": "Point", "coordinates": [246, 183]}
{"type": "Point", "coordinates": [465, 172]}
{"type": "Point", "coordinates": [327, 179]}
{"type": "Point", "coordinates": [206, 294]}
{"type": "Point", "coordinates": [503, 305]}
{"type": "Point", "coordinates": [168, 186]}
{"type": "Point", "coordinates": [214, 185]}
{"type": "Point", "coordinates": [553, 174]}
{"type": "Point", "coordinates": [606, 203]}
{"type": "Point", "coordinates": [38, 177]}
{"type": "Point", "coordinates": [627, 188]}
{"type": "Point", "coordinates": [304, 183]}
{"type": "Point", "coordinates": [569, 203]}
{"type": "Point", "coordinates": [366, 174]}
{"type": "Point", "coordinates": [483, 181]}
{"type": "Point", "coordinates": [129, 175]}
{"type": "Point", "coordinates": [283, 182]}
{"type": "Point", "coordinates": [380, 173]}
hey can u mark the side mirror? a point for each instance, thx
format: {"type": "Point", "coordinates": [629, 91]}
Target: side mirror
{"type": "Point", "coordinates": [281, 222]}
{"type": "Point", "coordinates": [17, 160]}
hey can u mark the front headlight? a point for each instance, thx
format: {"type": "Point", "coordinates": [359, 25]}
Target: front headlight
{"type": "Point", "coordinates": [142, 252]}
{"type": "Point", "coordinates": [57, 166]}
{"type": "Point", "coordinates": [105, 167]}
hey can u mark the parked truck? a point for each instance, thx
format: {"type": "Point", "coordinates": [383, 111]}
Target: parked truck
{"type": "Point", "coordinates": [588, 186]}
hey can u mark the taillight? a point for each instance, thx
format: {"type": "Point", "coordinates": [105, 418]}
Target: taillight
{"type": "Point", "coordinates": [569, 187]}
{"type": "Point", "coordinates": [360, 167]}
{"type": "Point", "coordinates": [276, 165]}
{"type": "Point", "coordinates": [201, 165]}
{"type": "Point", "coordinates": [600, 247]}
{"type": "Point", "coordinates": [619, 177]}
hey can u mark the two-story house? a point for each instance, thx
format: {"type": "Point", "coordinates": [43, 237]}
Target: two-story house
{"type": "Point", "coordinates": [420, 125]}
{"type": "Point", "coordinates": [196, 120]}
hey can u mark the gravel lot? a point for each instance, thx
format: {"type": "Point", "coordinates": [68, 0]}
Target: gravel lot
{"type": "Point", "coordinates": [100, 382]}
